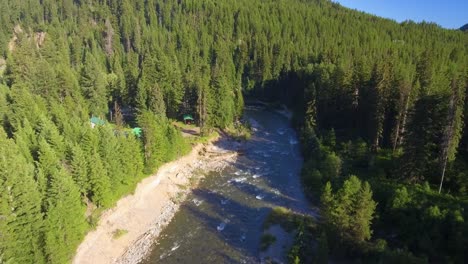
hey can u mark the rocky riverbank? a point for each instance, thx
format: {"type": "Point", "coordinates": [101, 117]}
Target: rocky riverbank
{"type": "Point", "coordinates": [157, 198]}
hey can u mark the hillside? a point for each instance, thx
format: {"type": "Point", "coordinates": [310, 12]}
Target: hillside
{"type": "Point", "coordinates": [464, 28]}
{"type": "Point", "coordinates": [374, 98]}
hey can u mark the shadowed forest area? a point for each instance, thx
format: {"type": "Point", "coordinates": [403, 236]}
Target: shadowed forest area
{"type": "Point", "coordinates": [382, 101]}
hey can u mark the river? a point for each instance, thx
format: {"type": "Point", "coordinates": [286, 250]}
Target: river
{"type": "Point", "coordinates": [221, 221]}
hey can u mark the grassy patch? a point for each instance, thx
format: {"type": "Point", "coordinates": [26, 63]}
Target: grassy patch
{"type": "Point", "coordinates": [118, 233]}
{"type": "Point", "coordinates": [202, 139]}
{"type": "Point", "coordinates": [304, 228]}
{"type": "Point", "coordinates": [239, 131]}
{"type": "Point", "coordinates": [182, 125]}
{"type": "Point", "coordinates": [93, 218]}
{"type": "Point", "coordinates": [266, 241]}
{"type": "Point", "coordinates": [179, 197]}
{"type": "Point", "coordinates": [182, 186]}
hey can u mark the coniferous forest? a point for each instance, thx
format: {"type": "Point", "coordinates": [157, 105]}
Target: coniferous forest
{"type": "Point", "coordinates": [381, 110]}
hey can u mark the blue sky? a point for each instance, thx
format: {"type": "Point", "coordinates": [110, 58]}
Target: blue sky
{"type": "Point", "coordinates": [447, 13]}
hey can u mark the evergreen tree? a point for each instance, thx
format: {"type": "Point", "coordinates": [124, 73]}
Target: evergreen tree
{"type": "Point", "coordinates": [64, 223]}
{"type": "Point", "coordinates": [93, 84]}
{"type": "Point", "coordinates": [155, 142]}
{"type": "Point", "coordinates": [99, 181]}
{"type": "Point", "coordinates": [79, 169]}
{"type": "Point", "coordinates": [364, 209]}
{"type": "Point", "coordinates": [150, 93]}
{"type": "Point", "coordinates": [21, 217]}
{"type": "Point", "coordinates": [349, 212]}
{"type": "Point", "coordinates": [424, 130]}
{"type": "Point", "coordinates": [223, 109]}
{"type": "Point", "coordinates": [392, 85]}
{"type": "Point", "coordinates": [109, 151]}
{"type": "Point", "coordinates": [131, 159]}
{"type": "Point", "coordinates": [453, 127]}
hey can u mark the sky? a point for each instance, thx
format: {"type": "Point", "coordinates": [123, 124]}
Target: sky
{"type": "Point", "coordinates": [447, 13]}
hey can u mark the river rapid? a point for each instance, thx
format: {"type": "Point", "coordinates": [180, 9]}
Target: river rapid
{"type": "Point", "coordinates": [221, 220]}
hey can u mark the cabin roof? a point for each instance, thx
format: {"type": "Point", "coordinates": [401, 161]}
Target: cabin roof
{"type": "Point", "coordinates": [188, 117]}
{"type": "Point", "coordinates": [97, 121]}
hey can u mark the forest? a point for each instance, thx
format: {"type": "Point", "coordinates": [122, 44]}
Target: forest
{"type": "Point", "coordinates": [380, 108]}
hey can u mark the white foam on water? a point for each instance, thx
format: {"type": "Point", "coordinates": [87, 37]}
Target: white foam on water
{"type": "Point", "coordinates": [281, 131]}
{"type": "Point", "coordinates": [275, 150]}
{"type": "Point", "coordinates": [240, 179]}
{"type": "Point", "coordinates": [260, 197]}
{"type": "Point", "coordinates": [175, 247]}
{"type": "Point", "coordinates": [243, 237]}
{"type": "Point", "coordinates": [221, 227]}
{"type": "Point", "coordinates": [224, 201]}
{"type": "Point", "coordinates": [293, 141]}
{"type": "Point", "coordinates": [254, 123]}
{"type": "Point", "coordinates": [197, 202]}
{"type": "Point", "coordinates": [255, 176]}
{"type": "Point", "coordinates": [163, 255]}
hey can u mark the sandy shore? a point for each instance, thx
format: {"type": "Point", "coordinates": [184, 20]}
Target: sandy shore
{"type": "Point", "coordinates": [144, 214]}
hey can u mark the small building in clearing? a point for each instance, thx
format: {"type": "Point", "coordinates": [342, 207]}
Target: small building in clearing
{"type": "Point", "coordinates": [96, 121]}
{"type": "Point", "coordinates": [188, 119]}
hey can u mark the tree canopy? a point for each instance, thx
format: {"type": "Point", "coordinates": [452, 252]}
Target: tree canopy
{"type": "Point", "coordinates": [374, 98]}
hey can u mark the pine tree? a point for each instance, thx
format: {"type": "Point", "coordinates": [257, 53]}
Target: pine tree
{"type": "Point", "coordinates": [379, 86]}
{"type": "Point", "coordinates": [118, 116]}
{"type": "Point", "coordinates": [3, 104]}
{"type": "Point", "coordinates": [131, 158]}
{"type": "Point", "coordinates": [93, 84]}
{"type": "Point", "coordinates": [363, 214]}
{"type": "Point", "coordinates": [350, 211]}
{"type": "Point", "coordinates": [79, 169]}
{"type": "Point", "coordinates": [21, 217]}
{"type": "Point", "coordinates": [423, 131]}
{"type": "Point", "coordinates": [99, 181]}
{"type": "Point", "coordinates": [64, 223]}
{"type": "Point", "coordinates": [223, 109]}
{"type": "Point", "coordinates": [48, 164]}
{"type": "Point", "coordinates": [327, 200]}
{"type": "Point", "coordinates": [154, 139]}
{"type": "Point", "coordinates": [49, 133]}
{"type": "Point", "coordinates": [204, 100]}
{"type": "Point", "coordinates": [453, 126]}
{"type": "Point", "coordinates": [150, 93]}
{"type": "Point", "coordinates": [174, 90]}
{"type": "Point", "coordinates": [109, 151]}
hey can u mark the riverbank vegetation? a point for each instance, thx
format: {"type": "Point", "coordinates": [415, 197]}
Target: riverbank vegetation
{"type": "Point", "coordinates": [303, 229]}
{"type": "Point", "coordinates": [372, 98]}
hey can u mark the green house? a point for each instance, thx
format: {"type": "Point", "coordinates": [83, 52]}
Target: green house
{"type": "Point", "coordinates": [188, 119]}
{"type": "Point", "coordinates": [96, 121]}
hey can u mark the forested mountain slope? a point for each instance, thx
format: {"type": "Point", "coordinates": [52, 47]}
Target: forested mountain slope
{"type": "Point", "coordinates": [464, 28]}
{"type": "Point", "coordinates": [382, 100]}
